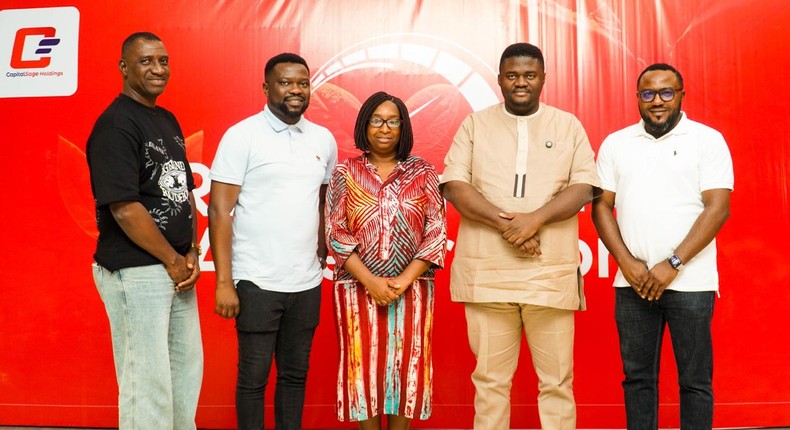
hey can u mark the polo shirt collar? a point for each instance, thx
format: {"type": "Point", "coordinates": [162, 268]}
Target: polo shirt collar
{"type": "Point", "coordinates": [278, 125]}
{"type": "Point", "coordinates": [681, 128]}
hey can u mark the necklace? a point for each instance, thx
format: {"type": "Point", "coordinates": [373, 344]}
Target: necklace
{"type": "Point", "coordinates": [383, 167]}
{"type": "Point", "coordinates": [383, 164]}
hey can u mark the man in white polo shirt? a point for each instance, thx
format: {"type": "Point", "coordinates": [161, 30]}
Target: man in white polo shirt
{"type": "Point", "coordinates": [670, 179]}
{"type": "Point", "coordinates": [272, 170]}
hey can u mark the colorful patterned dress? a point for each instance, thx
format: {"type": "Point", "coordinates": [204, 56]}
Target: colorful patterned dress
{"type": "Point", "coordinates": [385, 351]}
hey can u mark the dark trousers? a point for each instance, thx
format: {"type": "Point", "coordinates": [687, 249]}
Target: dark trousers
{"type": "Point", "coordinates": [280, 326]}
{"type": "Point", "coordinates": [640, 325]}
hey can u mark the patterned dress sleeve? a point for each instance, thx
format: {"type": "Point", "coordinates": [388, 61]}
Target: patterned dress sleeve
{"type": "Point", "coordinates": [340, 240]}
{"type": "Point", "coordinates": [434, 236]}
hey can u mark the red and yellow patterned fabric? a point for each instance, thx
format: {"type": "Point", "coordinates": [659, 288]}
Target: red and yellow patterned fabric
{"type": "Point", "coordinates": [385, 351]}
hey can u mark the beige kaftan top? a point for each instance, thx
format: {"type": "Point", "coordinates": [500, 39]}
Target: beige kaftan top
{"type": "Point", "coordinates": [519, 163]}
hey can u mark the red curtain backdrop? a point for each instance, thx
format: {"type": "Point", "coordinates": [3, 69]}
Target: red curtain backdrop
{"type": "Point", "coordinates": [56, 365]}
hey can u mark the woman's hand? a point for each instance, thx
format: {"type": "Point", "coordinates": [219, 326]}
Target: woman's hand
{"type": "Point", "coordinates": [380, 291]}
{"type": "Point", "coordinates": [399, 285]}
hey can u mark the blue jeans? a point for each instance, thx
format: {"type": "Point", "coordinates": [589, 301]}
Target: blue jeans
{"type": "Point", "coordinates": [156, 346]}
{"type": "Point", "coordinates": [274, 325]}
{"type": "Point", "coordinates": [640, 325]}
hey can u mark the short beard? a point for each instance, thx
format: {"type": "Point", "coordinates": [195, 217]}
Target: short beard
{"type": "Point", "coordinates": [286, 110]}
{"type": "Point", "coordinates": [658, 130]}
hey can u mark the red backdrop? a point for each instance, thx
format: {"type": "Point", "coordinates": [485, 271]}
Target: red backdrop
{"type": "Point", "coordinates": [55, 356]}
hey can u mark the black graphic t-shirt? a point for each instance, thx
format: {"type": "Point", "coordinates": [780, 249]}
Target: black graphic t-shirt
{"type": "Point", "coordinates": [137, 153]}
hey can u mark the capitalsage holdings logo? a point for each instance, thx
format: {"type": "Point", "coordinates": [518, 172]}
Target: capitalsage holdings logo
{"type": "Point", "coordinates": [45, 44]}
{"type": "Point", "coordinates": [38, 52]}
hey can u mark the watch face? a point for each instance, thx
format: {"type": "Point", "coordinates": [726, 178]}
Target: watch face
{"type": "Point", "coordinates": [675, 262]}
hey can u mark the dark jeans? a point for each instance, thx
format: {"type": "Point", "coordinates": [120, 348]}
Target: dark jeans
{"type": "Point", "coordinates": [281, 325]}
{"type": "Point", "coordinates": [641, 324]}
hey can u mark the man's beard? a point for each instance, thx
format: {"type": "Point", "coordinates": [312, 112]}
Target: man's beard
{"type": "Point", "coordinates": [661, 129]}
{"type": "Point", "coordinates": [289, 112]}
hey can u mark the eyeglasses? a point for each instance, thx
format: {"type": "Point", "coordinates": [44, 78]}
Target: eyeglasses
{"type": "Point", "coordinates": [391, 123]}
{"type": "Point", "coordinates": [666, 94]}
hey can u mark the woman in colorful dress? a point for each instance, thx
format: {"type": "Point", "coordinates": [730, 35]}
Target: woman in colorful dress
{"type": "Point", "coordinates": [386, 230]}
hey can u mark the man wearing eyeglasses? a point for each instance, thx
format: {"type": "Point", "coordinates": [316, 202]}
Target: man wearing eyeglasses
{"type": "Point", "coordinates": [268, 184]}
{"type": "Point", "coordinates": [670, 179]}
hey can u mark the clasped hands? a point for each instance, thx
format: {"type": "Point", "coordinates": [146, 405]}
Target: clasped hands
{"type": "Point", "coordinates": [386, 290]}
{"type": "Point", "coordinates": [648, 283]}
{"type": "Point", "coordinates": [184, 271]}
{"type": "Point", "coordinates": [521, 231]}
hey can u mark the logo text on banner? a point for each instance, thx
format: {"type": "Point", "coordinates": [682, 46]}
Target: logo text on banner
{"type": "Point", "coordinates": [38, 52]}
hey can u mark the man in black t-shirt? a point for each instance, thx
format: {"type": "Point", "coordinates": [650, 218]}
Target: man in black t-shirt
{"type": "Point", "coordinates": [146, 260]}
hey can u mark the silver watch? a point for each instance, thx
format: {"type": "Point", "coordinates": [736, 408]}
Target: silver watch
{"type": "Point", "coordinates": [676, 262]}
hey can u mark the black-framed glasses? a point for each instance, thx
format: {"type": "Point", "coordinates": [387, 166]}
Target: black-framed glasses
{"type": "Point", "coordinates": [666, 94]}
{"type": "Point", "coordinates": [391, 123]}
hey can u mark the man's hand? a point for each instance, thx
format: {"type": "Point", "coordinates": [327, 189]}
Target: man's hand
{"type": "Point", "coordinates": [227, 300]}
{"type": "Point", "coordinates": [660, 276]}
{"type": "Point", "coordinates": [521, 232]}
{"type": "Point", "coordinates": [178, 270]}
{"type": "Point", "coordinates": [193, 265]}
{"type": "Point", "coordinates": [140, 228]}
{"type": "Point", "coordinates": [636, 273]}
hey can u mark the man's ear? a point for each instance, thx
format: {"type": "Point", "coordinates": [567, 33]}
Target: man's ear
{"type": "Point", "coordinates": [122, 67]}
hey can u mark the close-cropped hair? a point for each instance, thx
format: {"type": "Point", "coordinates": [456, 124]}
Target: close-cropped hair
{"type": "Point", "coordinates": [285, 57]}
{"type": "Point", "coordinates": [127, 43]}
{"type": "Point", "coordinates": [406, 141]}
{"type": "Point", "coordinates": [660, 66]}
{"type": "Point", "coordinates": [522, 50]}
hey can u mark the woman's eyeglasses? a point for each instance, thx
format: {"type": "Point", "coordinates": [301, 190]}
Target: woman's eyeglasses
{"type": "Point", "coordinates": [391, 123]}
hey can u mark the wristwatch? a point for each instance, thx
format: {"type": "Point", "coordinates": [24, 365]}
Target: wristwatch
{"type": "Point", "coordinates": [197, 247]}
{"type": "Point", "coordinates": [676, 262]}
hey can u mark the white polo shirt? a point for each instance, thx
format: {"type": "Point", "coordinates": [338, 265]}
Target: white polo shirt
{"type": "Point", "coordinates": [658, 185]}
{"type": "Point", "coordinates": [280, 169]}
